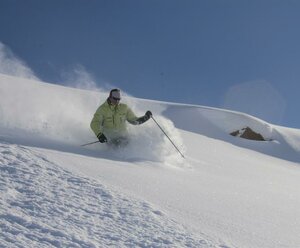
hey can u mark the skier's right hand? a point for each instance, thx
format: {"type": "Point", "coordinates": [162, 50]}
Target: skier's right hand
{"type": "Point", "coordinates": [101, 137]}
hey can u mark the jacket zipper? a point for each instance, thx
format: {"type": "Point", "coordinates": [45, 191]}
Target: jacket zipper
{"type": "Point", "coordinates": [114, 114]}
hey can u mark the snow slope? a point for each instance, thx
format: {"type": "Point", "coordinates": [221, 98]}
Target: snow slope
{"type": "Point", "coordinates": [228, 192]}
{"type": "Point", "coordinates": [44, 205]}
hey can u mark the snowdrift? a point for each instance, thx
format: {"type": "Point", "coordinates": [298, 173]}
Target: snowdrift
{"type": "Point", "coordinates": [57, 117]}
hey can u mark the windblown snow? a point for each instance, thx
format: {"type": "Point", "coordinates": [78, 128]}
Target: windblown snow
{"type": "Point", "coordinates": [227, 192]}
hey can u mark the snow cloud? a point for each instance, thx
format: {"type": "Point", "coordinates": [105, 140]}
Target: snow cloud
{"type": "Point", "coordinates": [79, 77]}
{"type": "Point", "coordinates": [62, 114]}
{"type": "Point", "coordinates": [258, 98]}
{"type": "Point", "coordinates": [10, 64]}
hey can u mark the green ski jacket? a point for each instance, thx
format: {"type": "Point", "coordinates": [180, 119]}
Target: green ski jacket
{"type": "Point", "coordinates": [111, 120]}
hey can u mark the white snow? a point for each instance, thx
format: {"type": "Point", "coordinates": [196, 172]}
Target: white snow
{"type": "Point", "coordinates": [227, 192]}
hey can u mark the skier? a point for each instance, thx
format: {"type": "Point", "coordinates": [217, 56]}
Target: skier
{"type": "Point", "coordinates": [109, 121]}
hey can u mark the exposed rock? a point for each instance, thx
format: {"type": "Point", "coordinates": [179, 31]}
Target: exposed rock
{"type": "Point", "coordinates": [248, 133]}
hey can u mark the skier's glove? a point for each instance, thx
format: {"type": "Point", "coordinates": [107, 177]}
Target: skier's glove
{"type": "Point", "coordinates": [146, 117]}
{"type": "Point", "coordinates": [143, 119]}
{"type": "Point", "coordinates": [101, 137]}
{"type": "Point", "coordinates": [148, 114]}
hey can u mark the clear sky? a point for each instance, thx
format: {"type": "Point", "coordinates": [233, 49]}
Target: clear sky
{"type": "Point", "coordinates": [236, 54]}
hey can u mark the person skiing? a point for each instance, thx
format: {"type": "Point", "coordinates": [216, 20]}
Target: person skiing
{"type": "Point", "coordinates": [109, 121]}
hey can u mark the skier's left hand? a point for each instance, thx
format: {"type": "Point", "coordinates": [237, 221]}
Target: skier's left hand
{"type": "Point", "coordinates": [148, 114]}
{"type": "Point", "coordinates": [144, 118]}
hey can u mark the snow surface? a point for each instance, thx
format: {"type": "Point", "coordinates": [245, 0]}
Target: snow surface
{"type": "Point", "coordinates": [227, 192]}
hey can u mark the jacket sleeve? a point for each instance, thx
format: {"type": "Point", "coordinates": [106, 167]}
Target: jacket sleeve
{"type": "Point", "coordinates": [96, 123]}
{"type": "Point", "coordinates": [132, 119]}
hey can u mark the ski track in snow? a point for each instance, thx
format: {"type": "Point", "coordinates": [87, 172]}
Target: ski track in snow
{"type": "Point", "coordinates": [43, 205]}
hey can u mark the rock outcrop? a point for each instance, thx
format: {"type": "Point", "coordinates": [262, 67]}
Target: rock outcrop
{"type": "Point", "coordinates": [248, 133]}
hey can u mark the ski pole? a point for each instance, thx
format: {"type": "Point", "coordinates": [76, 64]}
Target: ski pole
{"type": "Point", "coordinates": [167, 136]}
{"type": "Point", "coordinates": [90, 143]}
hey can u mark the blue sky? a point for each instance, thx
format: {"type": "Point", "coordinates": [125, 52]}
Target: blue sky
{"type": "Point", "coordinates": [235, 54]}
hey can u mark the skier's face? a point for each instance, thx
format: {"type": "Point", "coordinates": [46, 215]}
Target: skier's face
{"type": "Point", "coordinates": [114, 100]}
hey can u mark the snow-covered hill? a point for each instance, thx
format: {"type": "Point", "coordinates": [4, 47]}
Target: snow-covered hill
{"type": "Point", "coordinates": [228, 192]}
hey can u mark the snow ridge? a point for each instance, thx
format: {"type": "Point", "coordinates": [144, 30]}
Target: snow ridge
{"type": "Point", "coordinates": [43, 205]}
